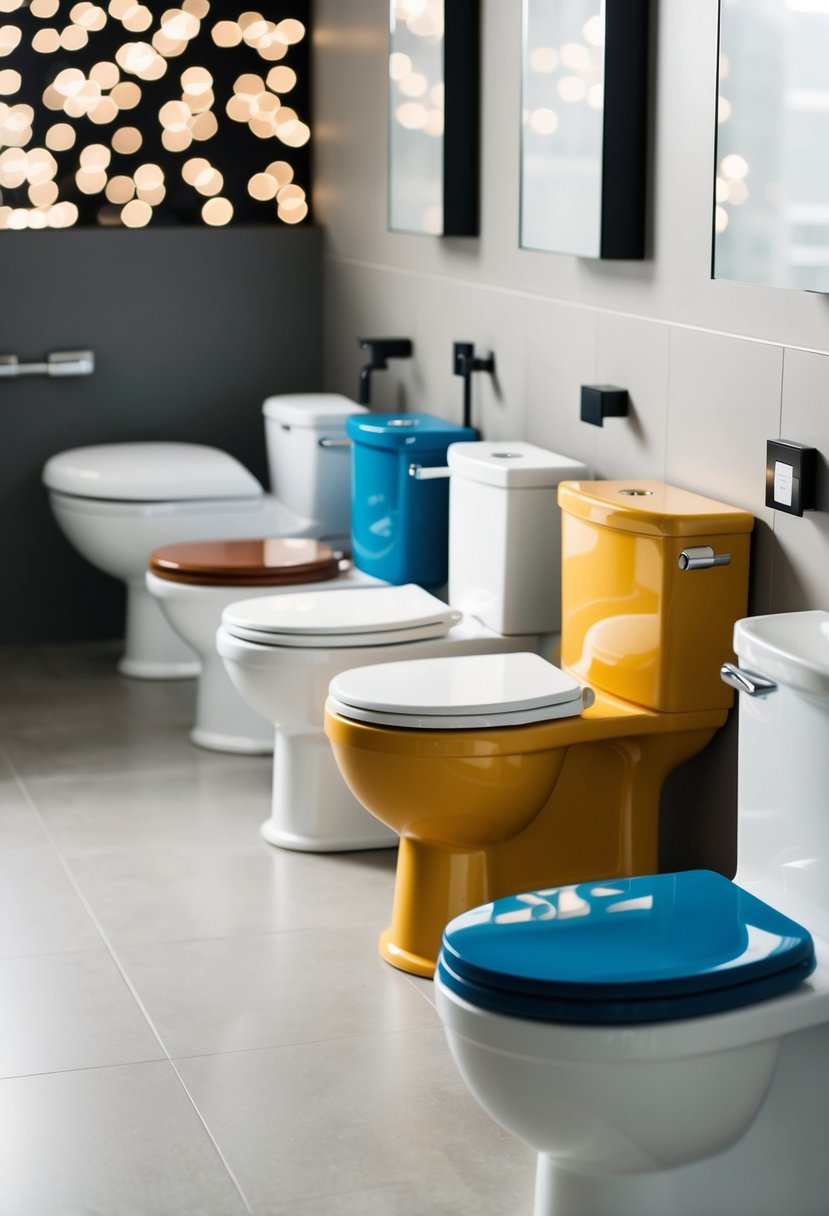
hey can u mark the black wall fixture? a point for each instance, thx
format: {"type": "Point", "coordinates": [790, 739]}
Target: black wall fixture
{"type": "Point", "coordinates": [584, 135]}
{"type": "Point", "coordinates": [123, 115]}
{"type": "Point", "coordinates": [434, 118]}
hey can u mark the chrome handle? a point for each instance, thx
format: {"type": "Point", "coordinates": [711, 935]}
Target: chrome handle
{"type": "Point", "coordinates": [702, 557]}
{"type": "Point", "coordinates": [428, 474]}
{"type": "Point", "coordinates": [334, 443]}
{"type": "Point", "coordinates": [748, 682]}
{"type": "Point", "coordinates": [59, 363]}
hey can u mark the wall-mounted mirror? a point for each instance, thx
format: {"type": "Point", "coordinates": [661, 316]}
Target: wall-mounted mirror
{"type": "Point", "coordinates": [584, 114]}
{"type": "Point", "coordinates": [434, 74]}
{"type": "Point", "coordinates": [771, 208]}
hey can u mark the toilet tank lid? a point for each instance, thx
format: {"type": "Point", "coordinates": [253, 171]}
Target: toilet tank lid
{"type": "Point", "coordinates": [513, 463]}
{"type": "Point", "coordinates": [312, 410]}
{"type": "Point", "coordinates": [651, 508]}
{"type": "Point", "coordinates": [407, 432]}
{"type": "Point", "coordinates": [791, 648]}
{"type": "Point", "coordinates": [150, 472]}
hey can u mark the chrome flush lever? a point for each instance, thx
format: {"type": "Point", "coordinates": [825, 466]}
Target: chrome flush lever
{"type": "Point", "coordinates": [702, 557]}
{"type": "Point", "coordinates": [428, 473]}
{"type": "Point", "coordinates": [746, 681]}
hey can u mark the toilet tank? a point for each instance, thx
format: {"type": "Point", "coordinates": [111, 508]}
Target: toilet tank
{"type": "Point", "coordinates": [783, 770]}
{"type": "Point", "coordinates": [505, 534]}
{"type": "Point", "coordinates": [640, 620]}
{"type": "Point", "coordinates": [400, 522]}
{"type": "Point", "coordinates": [309, 458]}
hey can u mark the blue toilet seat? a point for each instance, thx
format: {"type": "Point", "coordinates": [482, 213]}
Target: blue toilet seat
{"type": "Point", "coordinates": [625, 951]}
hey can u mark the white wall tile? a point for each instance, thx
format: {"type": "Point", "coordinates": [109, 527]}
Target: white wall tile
{"type": "Point", "coordinates": [369, 302]}
{"type": "Point", "coordinates": [633, 354]}
{"type": "Point", "coordinates": [493, 321]}
{"type": "Point", "coordinates": [724, 404]}
{"type": "Point", "coordinates": [800, 573]}
{"type": "Point", "coordinates": [560, 357]}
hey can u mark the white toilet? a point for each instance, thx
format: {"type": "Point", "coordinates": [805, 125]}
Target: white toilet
{"type": "Point", "coordinates": [194, 582]}
{"type": "Point", "coordinates": [118, 502]}
{"type": "Point", "coordinates": [504, 595]}
{"type": "Point", "coordinates": [663, 1042]}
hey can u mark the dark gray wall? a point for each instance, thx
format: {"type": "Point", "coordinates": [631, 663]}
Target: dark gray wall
{"type": "Point", "coordinates": [191, 329]}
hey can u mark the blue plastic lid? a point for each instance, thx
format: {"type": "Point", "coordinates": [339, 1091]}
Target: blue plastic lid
{"type": "Point", "coordinates": [626, 950]}
{"type": "Point", "coordinates": [421, 432]}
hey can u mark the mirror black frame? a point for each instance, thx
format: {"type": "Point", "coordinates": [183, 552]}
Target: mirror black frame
{"type": "Point", "coordinates": [624, 133]}
{"type": "Point", "coordinates": [462, 119]}
{"type": "Point", "coordinates": [460, 154]}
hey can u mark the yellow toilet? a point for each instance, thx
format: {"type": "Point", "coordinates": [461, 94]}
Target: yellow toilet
{"type": "Point", "coordinates": [503, 773]}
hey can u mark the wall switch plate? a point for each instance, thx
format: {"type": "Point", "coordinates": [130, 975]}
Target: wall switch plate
{"type": "Point", "coordinates": [600, 401]}
{"type": "Point", "coordinates": [791, 470]}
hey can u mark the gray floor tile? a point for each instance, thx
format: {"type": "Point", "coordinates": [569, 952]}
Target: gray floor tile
{"type": "Point", "coordinates": [69, 1011]}
{"type": "Point", "coordinates": [19, 825]}
{"type": "Point", "coordinates": [376, 1116]}
{"type": "Point", "coordinates": [114, 743]}
{"type": "Point", "coordinates": [40, 913]}
{"type": "Point", "coordinates": [108, 1142]}
{"type": "Point", "coordinates": [50, 685]}
{"type": "Point", "coordinates": [211, 801]}
{"type": "Point", "coordinates": [424, 1194]}
{"type": "Point", "coordinates": [235, 994]}
{"type": "Point", "coordinates": [188, 892]}
{"type": "Point", "coordinates": [425, 987]}
{"type": "Point", "coordinates": [330, 1087]}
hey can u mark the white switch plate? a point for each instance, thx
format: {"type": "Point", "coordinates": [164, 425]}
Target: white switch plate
{"type": "Point", "coordinates": [783, 481]}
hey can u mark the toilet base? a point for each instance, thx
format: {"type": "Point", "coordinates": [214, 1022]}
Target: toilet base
{"type": "Point", "coordinates": [404, 960]}
{"type": "Point", "coordinates": [212, 741]}
{"type": "Point", "coordinates": [152, 648]}
{"type": "Point", "coordinates": [145, 669]}
{"type": "Point", "coordinates": [311, 844]}
{"type": "Point", "coordinates": [224, 722]}
{"type": "Point", "coordinates": [312, 810]}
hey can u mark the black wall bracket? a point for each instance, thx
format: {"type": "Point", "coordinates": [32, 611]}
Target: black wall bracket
{"type": "Point", "coordinates": [600, 401]}
{"type": "Point", "coordinates": [380, 350]}
{"type": "Point", "coordinates": [464, 363]}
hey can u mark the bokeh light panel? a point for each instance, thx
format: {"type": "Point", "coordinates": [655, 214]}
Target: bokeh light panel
{"type": "Point", "coordinates": [103, 106]}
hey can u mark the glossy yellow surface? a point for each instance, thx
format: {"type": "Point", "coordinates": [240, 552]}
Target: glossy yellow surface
{"type": "Point", "coordinates": [475, 825]}
{"type": "Point", "coordinates": [633, 623]}
{"type": "Point", "coordinates": [651, 508]}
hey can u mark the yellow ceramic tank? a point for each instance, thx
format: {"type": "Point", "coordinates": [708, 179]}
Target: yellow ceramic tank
{"type": "Point", "coordinates": [637, 621]}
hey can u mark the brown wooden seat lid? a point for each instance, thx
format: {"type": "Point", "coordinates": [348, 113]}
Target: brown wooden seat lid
{"type": "Point", "coordinates": [273, 562]}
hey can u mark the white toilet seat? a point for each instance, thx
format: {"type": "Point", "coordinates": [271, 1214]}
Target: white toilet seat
{"type": "Point", "coordinates": [150, 472]}
{"type": "Point", "coordinates": [379, 616]}
{"type": "Point", "coordinates": [458, 692]}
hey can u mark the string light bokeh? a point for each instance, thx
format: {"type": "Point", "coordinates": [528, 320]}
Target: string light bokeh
{"type": "Point", "coordinates": [123, 115]}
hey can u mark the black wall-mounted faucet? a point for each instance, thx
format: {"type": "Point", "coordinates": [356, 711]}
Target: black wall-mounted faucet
{"type": "Point", "coordinates": [379, 351]}
{"type": "Point", "coordinates": [464, 363]}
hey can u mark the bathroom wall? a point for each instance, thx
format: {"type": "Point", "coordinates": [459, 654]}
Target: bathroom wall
{"type": "Point", "coordinates": [191, 328]}
{"type": "Point", "coordinates": [714, 369]}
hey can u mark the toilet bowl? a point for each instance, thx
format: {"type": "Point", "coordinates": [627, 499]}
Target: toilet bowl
{"type": "Point", "coordinates": [282, 654]}
{"type": "Point", "coordinates": [662, 1042]}
{"type": "Point", "coordinates": [193, 583]}
{"type": "Point", "coordinates": [116, 503]}
{"type": "Point", "coordinates": [642, 630]}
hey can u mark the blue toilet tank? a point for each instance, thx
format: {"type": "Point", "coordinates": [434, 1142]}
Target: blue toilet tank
{"type": "Point", "coordinates": [399, 524]}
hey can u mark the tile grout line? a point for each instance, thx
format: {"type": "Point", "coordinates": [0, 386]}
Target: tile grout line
{"type": "Point", "coordinates": [561, 301]}
{"type": "Point", "coordinates": [30, 802]}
